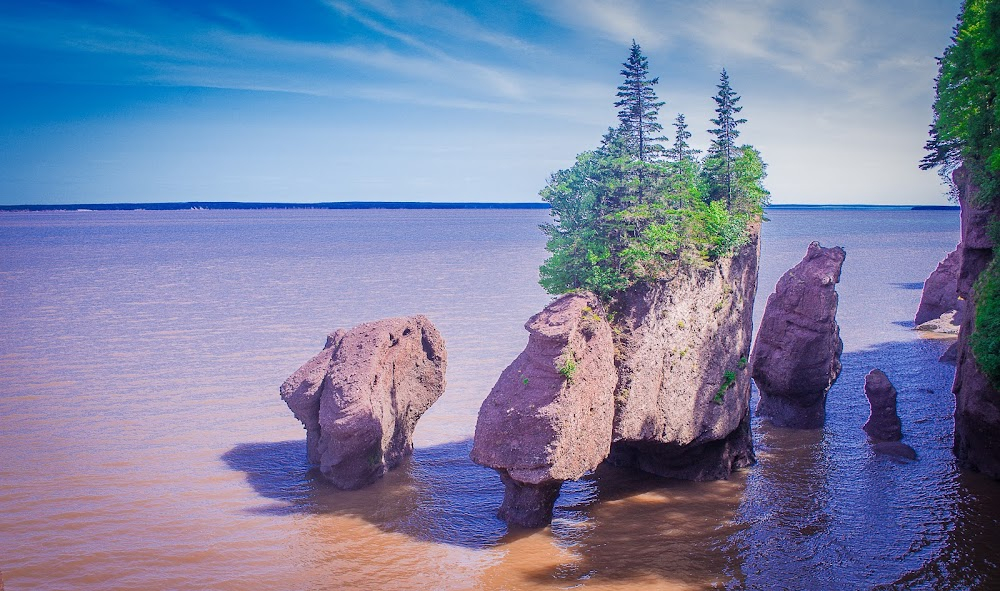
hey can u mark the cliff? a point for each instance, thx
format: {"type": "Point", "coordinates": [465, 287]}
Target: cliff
{"type": "Point", "coordinates": [977, 402]}
{"type": "Point", "coordinates": [683, 394]}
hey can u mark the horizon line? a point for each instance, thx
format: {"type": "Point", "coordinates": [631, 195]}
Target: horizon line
{"type": "Point", "coordinates": [230, 205]}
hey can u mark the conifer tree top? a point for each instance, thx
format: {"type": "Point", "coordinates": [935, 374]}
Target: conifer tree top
{"type": "Point", "coordinates": [639, 107]}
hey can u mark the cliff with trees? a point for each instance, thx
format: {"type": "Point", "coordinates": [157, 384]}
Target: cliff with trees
{"type": "Point", "coordinates": [965, 147]}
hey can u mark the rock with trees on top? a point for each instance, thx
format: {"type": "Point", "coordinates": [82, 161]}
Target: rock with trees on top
{"type": "Point", "coordinates": [964, 145]}
{"type": "Point", "coordinates": [796, 354]}
{"type": "Point", "coordinates": [361, 396]}
{"type": "Point", "coordinates": [668, 244]}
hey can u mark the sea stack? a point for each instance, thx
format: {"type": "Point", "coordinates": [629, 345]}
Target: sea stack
{"type": "Point", "coordinates": [361, 396]}
{"type": "Point", "coordinates": [884, 428]}
{"type": "Point", "coordinates": [548, 418]}
{"type": "Point", "coordinates": [683, 393]}
{"type": "Point", "coordinates": [977, 401]}
{"type": "Point", "coordinates": [796, 356]}
{"type": "Point", "coordinates": [940, 293]}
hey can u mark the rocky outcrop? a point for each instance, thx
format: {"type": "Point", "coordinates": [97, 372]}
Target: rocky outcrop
{"type": "Point", "coordinates": [977, 402]}
{"type": "Point", "coordinates": [940, 294]}
{"type": "Point", "coordinates": [947, 325]}
{"type": "Point", "coordinates": [796, 355]}
{"type": "Point", "coordinates": [548, 418]}
{"type": "Point", "coordinates": [683, 392]}
{"type": "Point", "coordinates": [883, 420]}
{"type": "Point", "coordinates": [361, 396]}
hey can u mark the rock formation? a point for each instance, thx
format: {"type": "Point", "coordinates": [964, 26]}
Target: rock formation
{"type": "Point", "coordinates": [977, 402]}
{"type": "Point", "coordinates": [947, 325]}
{"type": "Point", "coordinates": [683, 393]}
{"type": "Point", "coordinates": [796, 356]}
{"type": "Point", "coordinates": [940, 293]}
{"type": "Point", "coordinates": [549, 416]}
{"type": "Point", "coordinates": [667, 390]}
{"type": "Point", "coordinates": [883, 421]}
{"type": "Point", "coordinates": [361, 396]}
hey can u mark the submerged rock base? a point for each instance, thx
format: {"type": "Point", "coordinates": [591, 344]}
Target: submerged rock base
{"type": "Point", "coordinates": [528, 505]}
{"type": "Point", "coordinates": [711, 460]}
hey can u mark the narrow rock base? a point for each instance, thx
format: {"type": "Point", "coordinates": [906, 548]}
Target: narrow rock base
{"type": "Point", "coordinates": [712, 460]}
{"type": "Point", "coordinates": [782, 412]}
{"type": "Point", "coordinates": [527, 505]}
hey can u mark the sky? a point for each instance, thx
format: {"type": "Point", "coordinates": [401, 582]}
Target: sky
{"type": "Point", "coordinates": [430, 100]}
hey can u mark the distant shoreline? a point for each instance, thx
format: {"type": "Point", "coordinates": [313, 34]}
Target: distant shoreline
{"type": "Point", "coordinates": [230, 205]}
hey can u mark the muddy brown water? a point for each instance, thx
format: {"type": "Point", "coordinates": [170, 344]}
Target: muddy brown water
{"type": "Point", "coordinates": [143, 444]}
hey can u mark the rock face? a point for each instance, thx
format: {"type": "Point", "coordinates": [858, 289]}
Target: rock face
{"type": "Point", "coordinates": [796, 356]}
{"type": "Point", "coordinates": [883, 421]}
{"type": "Point", "coordinates": [977, 402]}
{"type": "Point", "coordinates": [940, 293]}
{"type": "Point", "coordinates": [548, 418]}
{"type": "Point", "coordinates": [361, 396]}
{"type": "Point", "coordinates": [683, 392]}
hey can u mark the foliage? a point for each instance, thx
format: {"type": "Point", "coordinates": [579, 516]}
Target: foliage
{"type": "Point", "coordinates": [985, 339]}
{"type": "Point", "coordinates": [966, 127]}
{"type": "Point", "coordinates": [639, 107]}
{"type": "Point", "coordinates": [681, 150]}
{"type": "Point", "coordinates": [567, 365]}
{"type": "Point", "coordinates": [621, 214]}
{"type": "Point", "coordinates": [722, 152]}
{"type": "Point", "coordinates": [728, 379]}
{"type": "Point", "coordinates": [966, 130]}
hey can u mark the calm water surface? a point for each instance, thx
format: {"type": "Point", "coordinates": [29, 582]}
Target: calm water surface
{"type": "Point", "coordinates": [143, 444]}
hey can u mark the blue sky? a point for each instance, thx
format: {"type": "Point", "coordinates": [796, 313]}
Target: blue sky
{"type": "Point", "coordinates": [330, 100]}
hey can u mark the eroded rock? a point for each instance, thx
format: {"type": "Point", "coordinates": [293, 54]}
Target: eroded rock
{"type": "Point", "coordinates": [796, 355]}
{"type": "Point", "coordinates": [361, 396]}
{"type": "Point", "coordinates": [883, 420]}
{"type": "Point", "coordinates": [940, 294]}
{"type": "Point", "coordinates": [549, 417]}
{"type": "Point", "coordinates": [683, 393]}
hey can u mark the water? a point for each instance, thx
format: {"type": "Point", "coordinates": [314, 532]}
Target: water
{"type": "Point", "coordinates": [143, 444]}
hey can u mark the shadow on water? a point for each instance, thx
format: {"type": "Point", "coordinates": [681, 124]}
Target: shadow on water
{"type": "Point", "coordinates": [819, 510]}
{"type": "Point", "coordinates": [437, 495]}
{"type": "Point", "coordinates": [912, 285]}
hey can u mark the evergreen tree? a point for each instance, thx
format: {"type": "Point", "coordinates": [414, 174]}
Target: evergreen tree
{"type": "Point", "coordinates": [723, 149]}
{"type": "Point", "coordinates": [639, 108]}
{"type": "Point", "coordinates": [681, 150]}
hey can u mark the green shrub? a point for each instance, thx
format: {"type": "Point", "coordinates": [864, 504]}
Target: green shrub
{"type": "Point", "coordinates": [567, 365]}
{"type": "Point", "coordinates": [728, 379]}
{"type": "Point", "coordinates": [985, 339]}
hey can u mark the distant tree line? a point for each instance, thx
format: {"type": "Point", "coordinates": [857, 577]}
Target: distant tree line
{"type": "Point", "coordinates": [966, 130]}
{"type": "Point", "coordinates": [632, 210]}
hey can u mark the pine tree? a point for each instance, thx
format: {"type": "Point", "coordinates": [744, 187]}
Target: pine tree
{"type": "Point", "coordinates": [681, 150]}
{"type": "Point", "coordinates": [724, 145]}
{"type": "Point", "coordinates": [639, 107]}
